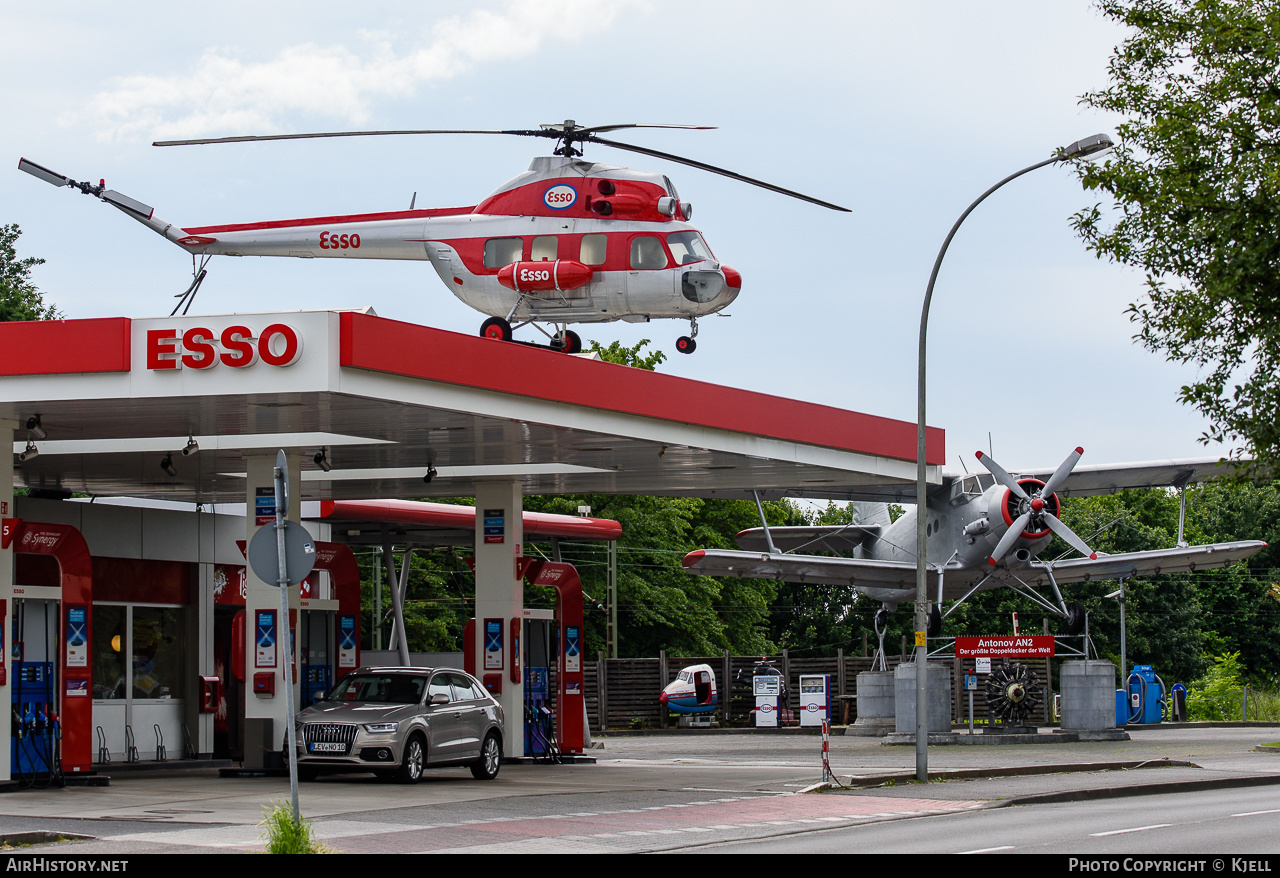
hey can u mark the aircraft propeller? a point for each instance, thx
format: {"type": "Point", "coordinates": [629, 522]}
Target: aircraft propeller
{"type": "Point", "coordinates": [567, 134]}
{"type": "Point", "coordinates": [1035, 507]}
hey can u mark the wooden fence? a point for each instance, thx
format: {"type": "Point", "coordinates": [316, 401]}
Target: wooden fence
{"type": "Point", "coordinates": [623, 693]}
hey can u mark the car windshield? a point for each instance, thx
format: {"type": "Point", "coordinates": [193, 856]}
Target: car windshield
{"type": "Point", "coordinates": [379, 688]}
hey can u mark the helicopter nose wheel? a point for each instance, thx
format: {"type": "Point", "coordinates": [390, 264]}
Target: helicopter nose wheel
{"type": "Point", "coordinates": [496, 328]}
{"type": "Point", "coordinates": [685, 344]}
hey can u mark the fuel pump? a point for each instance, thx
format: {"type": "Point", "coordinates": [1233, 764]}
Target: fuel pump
{"type": "Point", "coordinates": [35, 758]}
{"type": "Point", "coordinates": [1147, 695]}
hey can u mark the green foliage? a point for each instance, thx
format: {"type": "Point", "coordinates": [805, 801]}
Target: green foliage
{"type": "Point", "coordinates": [635, 355]}
{"type": "Point", "coordinates": [19, 297]}
{"type": "Point", "coordinates": [1217, 695]}
{"type": "Point", "coordinates": [1195, 180]}
{"type": "Point", "coordinates": [284, 835]}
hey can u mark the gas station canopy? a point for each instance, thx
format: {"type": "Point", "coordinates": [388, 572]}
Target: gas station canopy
{"type": "Point", "coordinates": [115, 401]}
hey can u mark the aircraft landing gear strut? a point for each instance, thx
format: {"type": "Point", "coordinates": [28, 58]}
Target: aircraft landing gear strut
{"type": "Point", "coordinates": [685, 344]}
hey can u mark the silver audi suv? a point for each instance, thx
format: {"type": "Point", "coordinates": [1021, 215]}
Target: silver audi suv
{"type": "Point", "coordinates": [395, 722]}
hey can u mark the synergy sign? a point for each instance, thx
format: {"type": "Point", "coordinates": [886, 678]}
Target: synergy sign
{"type": "Point", "coordinates": [1021, 646]}
{"type": "Point", "coordinates": [235, 347]}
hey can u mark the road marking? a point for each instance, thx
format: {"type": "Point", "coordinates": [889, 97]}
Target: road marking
{"type": "Point", "coordinates": [1256, 813]}
{"type": "Point", "coordinates": [1007, 847]}
{"type": "Point", "coordinates": [1134, 829]}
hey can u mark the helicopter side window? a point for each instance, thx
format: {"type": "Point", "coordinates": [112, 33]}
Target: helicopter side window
{"type": "Point", "coordinates": [688, 247]}
{"type": "Point", "coordinates": [502, 251]}
{"type": "Point", "coordinates": [593, 249]}
{"type": "Point", "coordinates": [544, 247]}
{"type": "Point", "coordinates": [647, 252]}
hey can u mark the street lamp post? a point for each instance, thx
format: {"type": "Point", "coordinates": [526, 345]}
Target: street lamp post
{"type": "Point", "coordinates": [1089, 146]}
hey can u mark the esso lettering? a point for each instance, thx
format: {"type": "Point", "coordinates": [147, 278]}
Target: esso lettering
{"type": "Point", "coordinates": [331, 241]}
{"type": "Point", "coordinates": [534, 274]}
{"type": "Point", "coordinates": [201, 348]}
{"type": "Point", "coordinates": [560, 197]}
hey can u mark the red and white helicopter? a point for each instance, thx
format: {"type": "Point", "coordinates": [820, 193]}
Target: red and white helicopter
{"type": "Point", "coordinates": [983, 532]}
{"type": "Point", "coordinates": [568, 241]}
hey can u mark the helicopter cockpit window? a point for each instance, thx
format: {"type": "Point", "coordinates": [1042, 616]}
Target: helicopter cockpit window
{"type": "Point", "coordinates": [647, 252]}
{"type": "Point", "coordinates": [502, 251]}
{"type": "Point", "coordinates": [688, 247]}
{"type": "Point", "coordinates": [593, 249]}
{"type": "Point", "coordinates": [544, 247]}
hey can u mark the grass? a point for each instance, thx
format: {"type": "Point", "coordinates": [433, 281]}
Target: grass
{"type": "Point", "coordinates": [284, 835]}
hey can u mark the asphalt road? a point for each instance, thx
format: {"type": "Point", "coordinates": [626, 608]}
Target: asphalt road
{"type": "Point", "coordinates": [700, 790]}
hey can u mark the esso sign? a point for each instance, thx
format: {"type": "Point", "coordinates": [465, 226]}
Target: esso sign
{"type": "Point", "coordinates": [560, 197]}
{"type": "Point", "coordinates": [235, 346]}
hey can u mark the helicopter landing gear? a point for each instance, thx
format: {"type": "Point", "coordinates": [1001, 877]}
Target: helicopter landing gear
{"type": "Point", "coordinates": [497, 328]}
{"type": "Point", "coordinates": [685, 344]}
{"type": "Point", "coordinates": [567, 341]}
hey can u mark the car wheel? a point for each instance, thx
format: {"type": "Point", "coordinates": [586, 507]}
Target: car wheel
{"type": "Point", "coordinates": [415, 756]}
{"type": "Point", "coordinates": [486, 767]}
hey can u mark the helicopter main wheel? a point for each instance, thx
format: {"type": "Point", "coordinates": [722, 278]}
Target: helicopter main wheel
{"type": "Point", "coordinates": [568, 342]}
{"type": "Point", "coordinates": [1076, 615]}
{"type": "Point", "coordinates": [935, 621]}
{"type": "Point", "coordinates": [686, 345]}
{"type": "Point", "coordinates": [497, 328]}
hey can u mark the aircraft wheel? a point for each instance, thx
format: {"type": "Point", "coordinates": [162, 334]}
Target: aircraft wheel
{"type": "Point", "coordinates": [1076, 615]}
{"type": "Point", "coordinates": [935, 621]}
{"type": "Point", "coordinates": [568, 342]}
{"type": "Point", "coordinates": [496, 327]}
{"type": "Point", "coordinates": [686, 345]}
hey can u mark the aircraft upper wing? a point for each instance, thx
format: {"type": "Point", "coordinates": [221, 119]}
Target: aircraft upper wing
{"type": "Point", "coordinates": [1109, 478]}
{"type": "Point", "coordinates": [1182, 560]}
{"type": "Point", "coordinates": [816, 569]}
{"type": "Point", "coordinates": [832, 538]}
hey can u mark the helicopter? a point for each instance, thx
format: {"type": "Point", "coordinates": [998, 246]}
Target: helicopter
{"type": "Point", "coordinates": [569, 241]}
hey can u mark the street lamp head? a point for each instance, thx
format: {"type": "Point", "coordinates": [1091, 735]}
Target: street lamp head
{"type": "Point", "coordinates": [1086, 147]}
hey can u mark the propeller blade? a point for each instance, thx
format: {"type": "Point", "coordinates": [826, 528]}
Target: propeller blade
{"type": "Point", "coordinates": [1010, 537]}
{"type": "Point", "coordinates": [703, 166]}
{"type": "Point", "coordinates": [1056, 525]}
{"type": "Point", "coordinates": [1060, 475]}
{"type": "Point", "coordinates": [1003, 477]}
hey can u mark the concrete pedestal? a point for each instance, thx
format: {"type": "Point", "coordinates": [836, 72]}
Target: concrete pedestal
{"type": "Point", "coordinates": [875, 705]}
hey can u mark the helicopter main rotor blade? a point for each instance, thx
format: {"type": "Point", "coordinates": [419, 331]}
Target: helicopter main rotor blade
{"type": "Point", "coordinates": [703, 166]}
{"type": "Point", "coordinates": [596, 129]}
{"type": "Point", "coordinates": [255, 138]}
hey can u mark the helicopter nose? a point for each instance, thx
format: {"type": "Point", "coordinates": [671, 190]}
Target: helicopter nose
{"type": "Point", "coordinates": [732, 278]}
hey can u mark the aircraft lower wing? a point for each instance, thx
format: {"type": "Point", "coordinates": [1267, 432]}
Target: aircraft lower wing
{"type": "Point", "coordinates": [830, 538]}
{"type": "Point", "coordinates": [1156, 561]}
{"type": "Point", "coordinates": [882, 580]}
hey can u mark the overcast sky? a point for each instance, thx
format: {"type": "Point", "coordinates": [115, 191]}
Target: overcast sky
{"type": "Point", "coordinates": [904, 112]}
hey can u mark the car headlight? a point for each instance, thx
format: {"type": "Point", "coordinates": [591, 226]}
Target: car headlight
{"type": "Point", "coordinates": [381, 728]}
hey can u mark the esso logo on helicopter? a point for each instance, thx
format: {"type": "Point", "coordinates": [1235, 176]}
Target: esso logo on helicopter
{"type": "Point", "coordinates": [528, 275]}
{"type": "Point", "coordinates": [330, 241]}
{"type": "Point", "coordinates": [236, 347]}
{"type": "Point", "coordinates": [560, 197]}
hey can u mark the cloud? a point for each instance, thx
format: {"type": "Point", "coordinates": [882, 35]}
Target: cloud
{"type": "Point", "coordinates": [224, 93]}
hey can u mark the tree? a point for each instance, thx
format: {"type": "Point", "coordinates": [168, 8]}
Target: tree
{"type": "Point", "coordinates": [1196, 185]}
{"type": "Point", "coordinates": [19, 297]}
{"type": "Point", "coordinates": [617, 352]}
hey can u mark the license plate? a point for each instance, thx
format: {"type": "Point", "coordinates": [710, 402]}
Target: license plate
{"type": "Point", "coordinates": [328, 747]}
